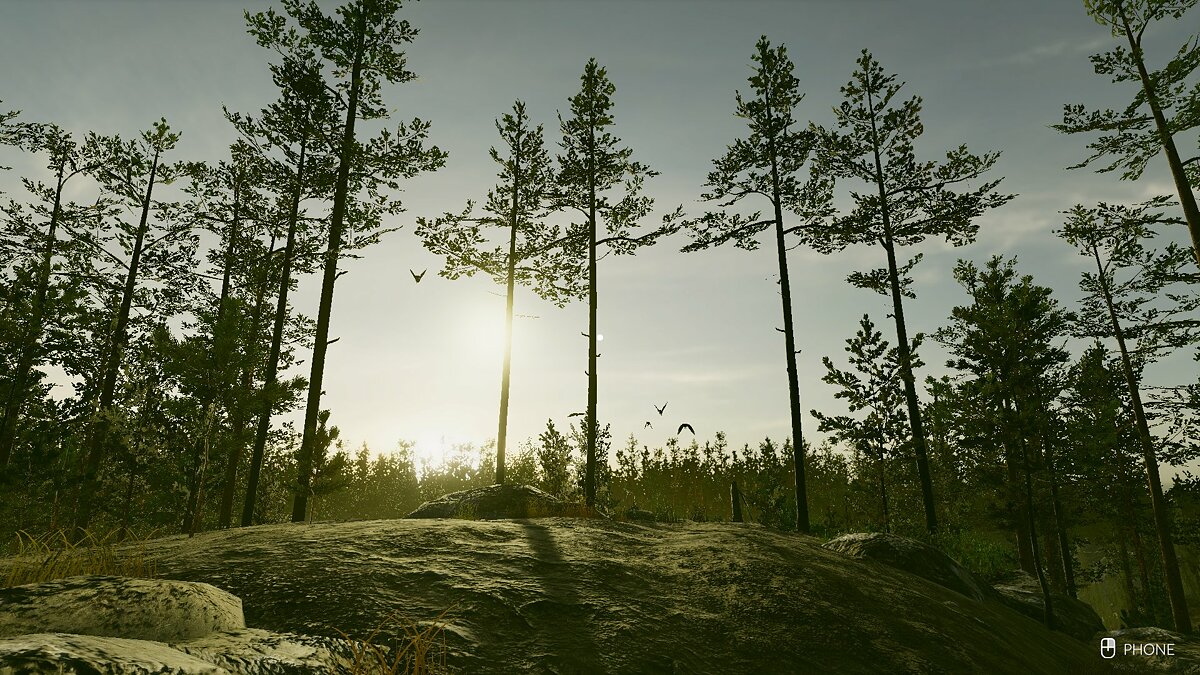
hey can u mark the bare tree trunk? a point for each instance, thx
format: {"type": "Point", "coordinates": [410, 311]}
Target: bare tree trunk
{"type": "Point", "coordinates": [32, 333]}
{"type": "Point", "coordinates": [1047, 602]}
{"type": "Point", "coordinates": [1060, 524]}
{"type": "Point", "coordinates": [789, 341]}
{"type": "Point", "coordinates": [735, 497]}
{"type": "Point", "coordinates": [589, 482]}
{"type": "Point", "coordinates": [304, 460]}
{"type": "Point", "coordinates": [270, 382]}
{"type": "Point", "coordinates": [1174, 583]}
{"type": "Point", "coordinates": [1127, 573]}
{"type": "Point", "coordinates": [502, 432]}
{"type": "Point", "coordinates": [99, 431]}
{"type": "Point", "coordinates": [1018, 512]}
{"type": "Point", "coordinates": [902, 343]}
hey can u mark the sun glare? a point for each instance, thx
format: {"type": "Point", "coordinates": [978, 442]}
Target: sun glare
{"type": "Point", "coordinates": [480, 333]}
{"type": "Point", "coordinates": [430, 449]}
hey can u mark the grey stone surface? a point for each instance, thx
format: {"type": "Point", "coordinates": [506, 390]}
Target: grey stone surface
{"type": "Point", "coordinates": [94, 655]}
{"type": "Point", "coordinates": [99, 624]}
{"type": "Point", "coordinates": [570, 595]}
{"type": "Point", "coordinates": [141, 609]}
{"type": "Point", "coordinates": [259, 652]}
{"type": "Point", "coordinates": [1076, 618]}
{"type": "Point", "coordinates": [493, 502]}
{"type": "Point", "coordinates": [913, 557]}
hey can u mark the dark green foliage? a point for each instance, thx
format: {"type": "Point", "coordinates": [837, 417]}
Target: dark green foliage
{"type": "Point", "coordinates": [874, 387]}
{"type": "Point", "coordinates": [1130, 136]}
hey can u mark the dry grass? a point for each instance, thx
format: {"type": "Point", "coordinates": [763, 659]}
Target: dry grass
{"type": "Point", "coordinates": [54, 556]}
{"type": "Point", "coordinates": [424, 652]}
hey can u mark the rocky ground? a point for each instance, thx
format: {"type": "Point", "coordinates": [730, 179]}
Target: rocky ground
{"type": "Point", "coordinates": [571, 595]}
{"type": "Point", "coordinates": [583, 596]}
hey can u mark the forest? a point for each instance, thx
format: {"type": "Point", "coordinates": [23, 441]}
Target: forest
{"type": "Point", "coordinates": [166, 297]}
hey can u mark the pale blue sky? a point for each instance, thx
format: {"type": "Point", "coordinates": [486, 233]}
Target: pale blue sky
{"type": "Point", "coordinates": [697, 330]}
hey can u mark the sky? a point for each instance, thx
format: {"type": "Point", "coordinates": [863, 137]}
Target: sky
{"type": "Point", "coordinates": [422, 361]}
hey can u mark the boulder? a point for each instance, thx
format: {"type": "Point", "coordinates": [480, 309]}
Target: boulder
{"type": "Point", "coordinates": [139, 609]}
{"type": "Point", "coordinates": [642, 515]}
{"type": "Point", "coordinates": [99, 624]}
{"type": "Point", "coordinates": [1022, 592]}
{"type": "Point", "coordinates": [494, 502]}
{"type": "Point", "coordinates": [64, 653]}
{"type": "Point", "coordinates": [914, 557]}
{"type": "Point", "coordinates": [259, 652]}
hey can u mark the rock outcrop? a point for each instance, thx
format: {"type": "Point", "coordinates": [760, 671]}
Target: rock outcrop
{"type": "Point", "coordinates": [139, 609]}
{"type": "Point", "coordinates": [1022, 592]}
{"type": "Point", "coordinates": [913, 557]}
{"type": "Point", "coordinates": [99, 624]}
{"type": "Point", "coordinates": [572, 595]}
{"type": "Point", "coordinates": [494, 502]}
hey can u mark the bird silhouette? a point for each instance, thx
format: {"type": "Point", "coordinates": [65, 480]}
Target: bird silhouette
{"type": "Point", "coordinates": [417, 277]}
{"type": "Point", "coordinates": [660, 410]}
{"type": "Point", "coordinates": [687, 426]}
{"type": "Point", "coordinates": [578, 414]}
{"type": "Point", "coordinates": [649, 426]}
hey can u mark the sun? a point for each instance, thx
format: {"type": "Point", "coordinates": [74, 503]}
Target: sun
{"type": "Point", "coordinates": [430, 448]}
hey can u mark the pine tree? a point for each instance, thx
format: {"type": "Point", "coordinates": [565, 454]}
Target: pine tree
{"type": "Point", "coordinates": [591, 167]}
{"type": "Point", "coordinates": [908, 202]}
{"type": "Point", "coordinates": [532, 255]}
{"type": "Point", "coordinates": [1130, 135]}
{"type": "Point", "coordinates": [1121, 309]}
{"type": "Point", "coordinates": [360, 44]}
{"type": "Point", "coordinates": [768, 164]}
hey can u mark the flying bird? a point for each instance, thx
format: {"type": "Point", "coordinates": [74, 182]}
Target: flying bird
{"type": "Point", "coordinates": [649, 426]}
{"type": "Point", "coordinates": [417, 277]}
{"type": "Point", "coordinates": [578, 414]}
{"type": "Point", "coordinates": [660, 410]}
{"type": "Point", "coordinates": [687, 426]}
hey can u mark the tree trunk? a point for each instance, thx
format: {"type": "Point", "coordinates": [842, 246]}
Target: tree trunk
{"type": "Point", "coordinates": [321, 343]}
{"type": "Point", "coordinates": [268, 391]}
{"type": "Point", "coordinates": [1127, 575]}
{"type": "Point", "coordinates": [789, 343]}
{"type": "Point", "coordinates": [270, 378]}
{"type": "Point", "coordinates": [1018, 512]}
{"type": "Point", "coordinates": [32, 333]}
{"type": "Point", "coordinates": [902, 344]}
{"type": "Point", "coordinates": [502, 432]}
{"type": "Point", "coordinates": [125, 511]}
{"type": "Point", "coordinates": [1174, 583]}
{"type": "Point", "coordinates": [883, 496]}
{"type": "Point", "coordinates": [1060, 524]}
{"type": "Point", "coordinates": [1139, 551]}
{"type": "Point", "coordinates": [735, 497]}
{"type": "Point", "coordinates": [1186, 198]}
{"type": "Point", "coordinates": [593, 423]}
{"type": "Point", "coordinates": [189, 514]}
{"type": "Point", "coordinates": [1047, 602]}
{"type": "Point", "coordinates": [98, 433]}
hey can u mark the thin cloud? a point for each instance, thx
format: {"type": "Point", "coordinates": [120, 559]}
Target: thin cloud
{"type": "Point", "coordinates": [1037, 54]}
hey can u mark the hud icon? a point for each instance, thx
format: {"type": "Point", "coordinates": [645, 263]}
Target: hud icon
{"type": "Point", "coordinates": [1108, 647]}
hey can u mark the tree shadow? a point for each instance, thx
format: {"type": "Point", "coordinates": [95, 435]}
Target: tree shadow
{"type": "Point", "coordinates": [564, 623]}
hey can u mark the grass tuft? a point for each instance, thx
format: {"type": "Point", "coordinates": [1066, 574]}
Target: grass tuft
{"type": "Point", "coordinates": [54, 556]}
{"type": "Point", "coordinates": [424, 651]}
